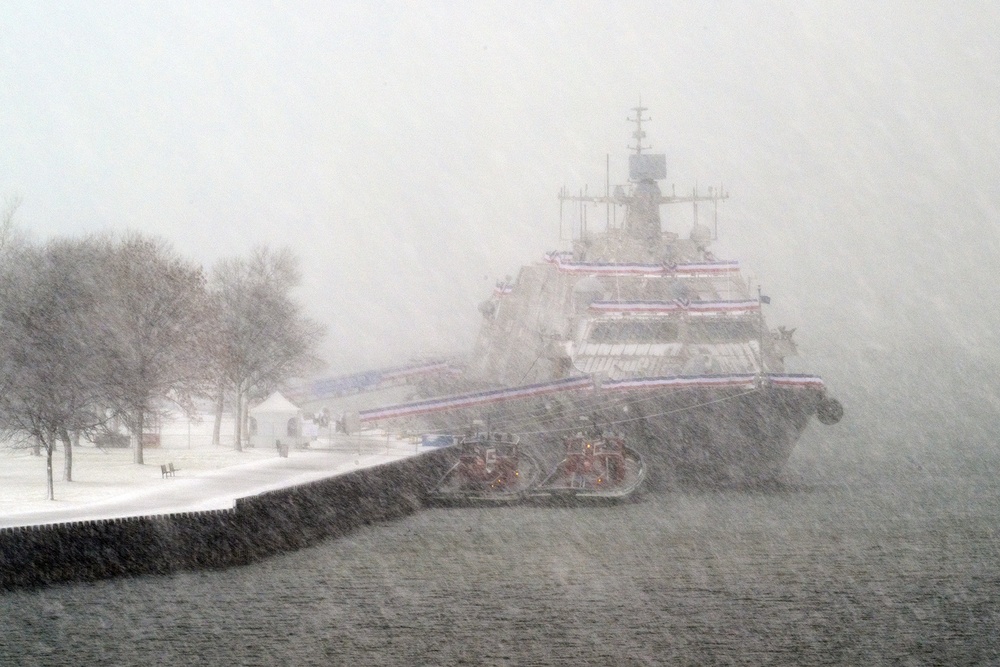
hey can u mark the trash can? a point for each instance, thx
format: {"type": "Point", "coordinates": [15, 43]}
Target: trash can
{"type": "Point", "coordinates": [282, 449]}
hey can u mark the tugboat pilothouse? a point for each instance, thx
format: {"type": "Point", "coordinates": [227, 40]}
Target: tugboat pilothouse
{"type": "Point", "coordinates": [643, 330]}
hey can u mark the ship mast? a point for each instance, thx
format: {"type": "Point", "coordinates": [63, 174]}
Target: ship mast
{"type": "Point", "coordinates": [642, 218]}
{"type": "Point", "coordinates": [638, 134]}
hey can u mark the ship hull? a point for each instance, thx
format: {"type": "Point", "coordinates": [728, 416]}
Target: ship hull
{"type": "Point", "coordinates": [709, 437]}
{"type": "Point", "coordinates": [713, 435]}
{"type": "Point", "coordinates": [696, 436]}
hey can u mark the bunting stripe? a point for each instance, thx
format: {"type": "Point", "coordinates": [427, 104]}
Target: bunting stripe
{"type": "Point", "coordinates": [742, 380]}
{"type": "Point", "coordinates": [457, 401]}
{"type": "Point", "coordinates": [674, 306]}
{"type": "Point", "coordinates": [474, 399]}
{"type": "Point", "coordinates": [796, 380]}
{"type": "Point", "coordinates": [372, 379]}
{"type": "Point", "coordinates": [564, 262]}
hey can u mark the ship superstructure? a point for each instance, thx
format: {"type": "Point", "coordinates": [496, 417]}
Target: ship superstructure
{"type": "Point", "coordinates": [632, 300]}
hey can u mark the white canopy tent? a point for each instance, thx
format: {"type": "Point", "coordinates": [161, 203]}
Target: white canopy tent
{"type": "Point", "coordinates": [276, 419]}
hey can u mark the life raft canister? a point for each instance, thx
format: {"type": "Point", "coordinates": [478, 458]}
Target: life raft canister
{"type": "Point", "coordinates": [829, 411]}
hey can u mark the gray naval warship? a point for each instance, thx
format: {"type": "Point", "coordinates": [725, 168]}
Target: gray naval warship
{"type": "Point", "coordinates": [636, 331]}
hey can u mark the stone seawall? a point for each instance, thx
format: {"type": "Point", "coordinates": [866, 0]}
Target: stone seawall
{"type": "Point", "coordinates": [258, 527]}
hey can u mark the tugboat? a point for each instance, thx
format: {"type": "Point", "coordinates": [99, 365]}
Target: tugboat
{"type": "Point", "coordinates": [644, 328]}
{"type": "Point", "coordinates": [595, 467]}
{"type": "Point", "coordinates": [491, 467]}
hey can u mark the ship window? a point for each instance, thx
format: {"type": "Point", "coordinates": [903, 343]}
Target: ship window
{"type": "Point", "coordinates": [633, 331]}
{"type": "Point", "coordinates": [721, 331]}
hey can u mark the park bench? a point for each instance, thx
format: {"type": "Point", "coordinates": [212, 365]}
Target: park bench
{"type": "Point", "coordinates": [167, 470]}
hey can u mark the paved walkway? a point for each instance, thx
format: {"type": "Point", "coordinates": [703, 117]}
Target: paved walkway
{"type": "Point", "coordinates": [211, 490]}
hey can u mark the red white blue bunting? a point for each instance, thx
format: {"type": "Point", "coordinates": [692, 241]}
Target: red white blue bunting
{"type": "Point", "coordinates": [564, 262]}
{"type": "Point", "coordinates": [585, 383]}
{"type": "Point", "coordinates": [474, 398]}
{"type": "Point", "coordinates": [675, 306]}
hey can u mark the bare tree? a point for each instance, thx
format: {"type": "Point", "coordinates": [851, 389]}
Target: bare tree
{"type": "Point", "coordinates": [157, 307]}
{"type": "Point", "coordinates": [262, 336]}
{"type": "Point", "coordinates": [50, 345]}
{"type": "Point", "coordinates": [8, 233]}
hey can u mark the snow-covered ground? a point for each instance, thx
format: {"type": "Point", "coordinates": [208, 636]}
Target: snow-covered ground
{"type": "Point", "coordinates": [106, 483]}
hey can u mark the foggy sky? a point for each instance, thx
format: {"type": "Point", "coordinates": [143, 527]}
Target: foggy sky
{"type": "Point", "coordinates": [410, 154]}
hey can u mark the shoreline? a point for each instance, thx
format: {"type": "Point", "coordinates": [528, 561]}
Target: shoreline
{"type": "Point", "coordinates": [257, 526]}
{"type": "Point", "coordinates": [207, 475]}
{"type": "Point", "coordinates": [212, 488]}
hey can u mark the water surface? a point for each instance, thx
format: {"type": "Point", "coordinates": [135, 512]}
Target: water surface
{"type": "Point", "coordinates": [858, 557]}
